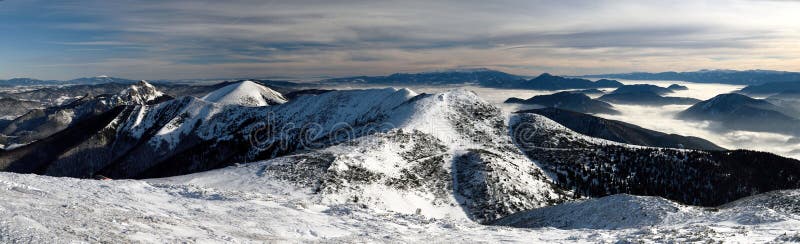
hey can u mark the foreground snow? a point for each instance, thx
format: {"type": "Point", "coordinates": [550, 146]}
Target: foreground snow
{"type": "Point", "coordinates": [49, 209]}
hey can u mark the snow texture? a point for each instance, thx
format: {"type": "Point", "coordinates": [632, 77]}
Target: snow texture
{"type": "Point", "coordinates": [245, 93]}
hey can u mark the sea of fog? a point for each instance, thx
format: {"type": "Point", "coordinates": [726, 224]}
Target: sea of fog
{"type": "Point", "coordinates": [659, 118]}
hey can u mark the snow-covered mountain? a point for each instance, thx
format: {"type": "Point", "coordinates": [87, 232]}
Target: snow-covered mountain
{"type": "Point", "coordinates": [238, 204]}
{"type": "Point", "coordinates": [41, 123]}
{"type": "Point", "coordinates": [245, 93]}
{"type": "Point", "coordinates": [768, 217]}
{"type": "Point", "coordinates": [378, 164]}
{"type": "Point", "coordinates": [445, 154]}
{"type": "Point", "coordinates": [140, 93]}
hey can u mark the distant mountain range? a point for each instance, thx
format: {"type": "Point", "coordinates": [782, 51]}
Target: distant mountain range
{"type": "Point", "coordinates": [59, 95]}
{"type": "Point", "coordinates": [747, 77]}
{"type": "Point", "coordinates": [78, 81]}
{"type": "Point", "coordinates": [771, 88]}
{"type": "Point", "coordinates": [479, 77]}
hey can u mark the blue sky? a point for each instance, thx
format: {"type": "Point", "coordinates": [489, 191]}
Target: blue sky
{"type": "Point", "coordinates": [217, 39]}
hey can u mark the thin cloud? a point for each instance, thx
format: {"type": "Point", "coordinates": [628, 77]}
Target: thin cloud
{"type": "Point", "coordinates": [367, 37]}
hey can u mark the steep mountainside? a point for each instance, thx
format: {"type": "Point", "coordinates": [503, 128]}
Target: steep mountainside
{"type": "Point", "coordinates": [622, 132]}
{"type": "Point", "coordinates": [573, 101]}
{"type": "Point", "coordinates": [595, 167]}
{"type": "Point", "coordinates": [40, 123]}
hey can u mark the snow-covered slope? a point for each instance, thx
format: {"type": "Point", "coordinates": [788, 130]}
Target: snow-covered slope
{"type": "Point", "coordinates": [43, 209]}
{"type": "Point", "coordinates": [446, 154]}
{"type": "Point", "coordinates": [41, 123]}
{"type": "Point", "coordinates": [767, 217]}
{"type": "Point", "coordinates": [381, 165]}
{"type": "Point", "coordinates": [139, 93]}
{"type": "Point", "coordinates": [612, 212]}
{"type": "Point", "coordinates": [245, 93]}
{"type": "Point", "coordinates": [443, 175]}
{"type": "Point", "coordinates": [438, 155]}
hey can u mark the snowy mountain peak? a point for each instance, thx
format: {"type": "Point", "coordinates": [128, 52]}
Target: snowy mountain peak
{"type": "Point", "coordinates": [245, 93]}
{"type": "Point", "coordinates": [140, 93]}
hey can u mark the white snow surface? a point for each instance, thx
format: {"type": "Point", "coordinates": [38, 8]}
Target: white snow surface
{"type": "Point", "coordinates": [140, 93]}
{"type": "Point", "coordinates": [249, 203]}
{"type": "Point", "coordinates": [234, 205]}
{"type": "Point", "coordinates": [245, 93]}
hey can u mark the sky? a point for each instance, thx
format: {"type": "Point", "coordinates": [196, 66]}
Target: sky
{"type": "Point", "coordinates": [186, 39]}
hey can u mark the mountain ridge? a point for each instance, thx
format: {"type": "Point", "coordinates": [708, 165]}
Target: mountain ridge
{"type": "Point", "coordinates": [745, 77]}
{"type": "Point", "coordinates": [622, 132]}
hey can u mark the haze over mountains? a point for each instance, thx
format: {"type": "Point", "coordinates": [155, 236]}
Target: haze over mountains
{"type": "Point", "coordinates": [481, 77]}
{"type": "Point", "coordinates": [746, 77]}
{"type": "Point", "coordinates": [79, 81]}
